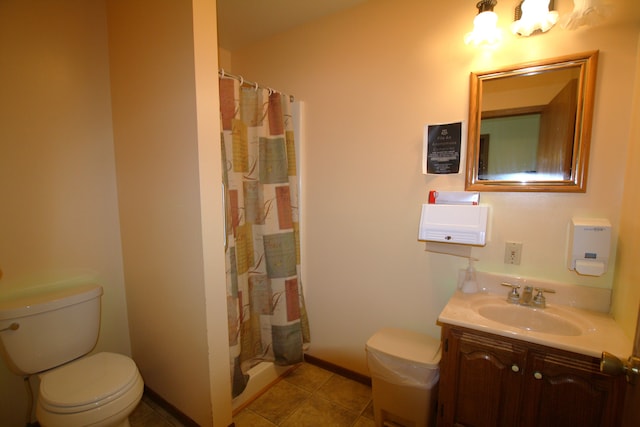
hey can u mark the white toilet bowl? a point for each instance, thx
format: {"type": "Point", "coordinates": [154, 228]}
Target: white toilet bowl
{"type": "Point", "coordinates": [47, 331]}
{"type": "Point", "coordinates": [98, 391]}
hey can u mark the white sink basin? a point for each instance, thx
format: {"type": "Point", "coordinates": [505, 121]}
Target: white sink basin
{"type": "Point", "coordinates": [558, 325]}
{"type": "Point", "coordinates": [529, 319]}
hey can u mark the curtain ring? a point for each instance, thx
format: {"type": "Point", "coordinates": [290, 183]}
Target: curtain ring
{"type": "Point", "coordinates": [221, 73]}
{"type": "Point", "coordinates": [256, 86]}
{"type": "Point", "coordinates": [241, 81]}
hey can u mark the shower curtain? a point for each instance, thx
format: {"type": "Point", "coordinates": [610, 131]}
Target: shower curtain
{"type": "Point", "coordinates": [266, 312]}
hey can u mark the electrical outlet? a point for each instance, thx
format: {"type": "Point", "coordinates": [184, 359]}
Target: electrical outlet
{"type": "Point", "coordinates": [512, 253]}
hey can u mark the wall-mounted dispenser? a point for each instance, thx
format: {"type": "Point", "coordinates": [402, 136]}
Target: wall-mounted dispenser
{"type": "Point", "coordinates": [463, 224]}
{"type": "Point", "coordinates": [589, 244]}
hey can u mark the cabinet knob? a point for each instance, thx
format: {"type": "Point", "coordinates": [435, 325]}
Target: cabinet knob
{"type": "Point", "coordinates": [537, 375]}
{"type": "Point", "coordinates": [515, 368]}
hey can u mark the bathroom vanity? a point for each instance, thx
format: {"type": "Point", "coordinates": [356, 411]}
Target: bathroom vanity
{"type": "Point", "coordinates": [508, 365]}
{"type": "Point", "coordinates": [490, 380]}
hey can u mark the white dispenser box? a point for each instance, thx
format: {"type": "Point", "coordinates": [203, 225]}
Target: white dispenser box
{"type": "Point", "coordinates": [462, 224]}
{"type": "Point", "coordinates": [589, 245]}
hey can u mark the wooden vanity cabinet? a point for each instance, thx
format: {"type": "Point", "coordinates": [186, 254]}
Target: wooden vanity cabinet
{"type": "Point", "coordinates": [480, 379]}
{"type": "Point", "coordinates": [487, 381]}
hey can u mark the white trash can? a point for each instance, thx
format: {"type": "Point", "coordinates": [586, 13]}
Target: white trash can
{"type": "Point", "coordinates": [404, 368]}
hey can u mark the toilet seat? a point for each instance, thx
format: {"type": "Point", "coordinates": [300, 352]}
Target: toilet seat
{"type": "Point", "coordinates": [89, 383]}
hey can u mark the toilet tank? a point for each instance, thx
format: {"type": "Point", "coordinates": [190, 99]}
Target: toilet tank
{"type": "Point", "coordinates": [47, 326]}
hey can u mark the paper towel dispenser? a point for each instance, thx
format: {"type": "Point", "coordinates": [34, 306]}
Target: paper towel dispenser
{"type": "Point", "coordinates": [589, 244]}
{"type": "Point", "coordinates": [462, 224]}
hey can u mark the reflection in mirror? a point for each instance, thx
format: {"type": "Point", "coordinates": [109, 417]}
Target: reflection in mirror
{"type": "Point", "coordinates": [530, 125]}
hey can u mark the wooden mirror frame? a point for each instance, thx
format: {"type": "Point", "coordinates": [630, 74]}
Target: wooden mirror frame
{"type": "Point", "coordinates": [577, 181]}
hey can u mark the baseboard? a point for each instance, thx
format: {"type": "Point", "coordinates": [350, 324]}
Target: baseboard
{"type": "Point", "coordinates": [347, 373]}
{"type": "Point", "coordinates": [175, 412]}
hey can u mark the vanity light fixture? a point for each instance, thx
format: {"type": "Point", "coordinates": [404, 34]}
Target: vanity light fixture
{"type": "Point", "coordinates": [533, 15]}
{"type": "Point", "coordinates": [586, 12]}
{"type": "Point", "coordinates": [484, 25]}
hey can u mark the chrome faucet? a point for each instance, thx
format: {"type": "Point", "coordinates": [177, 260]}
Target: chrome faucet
{"type": "Point", "coordinates": [513, 297]}
{"type": "Point", "coordinates": [527, 296]}
{"type": "Point", "coordinates": [539, 301]}
{"type": "Point", "coordinates": [527, 299]}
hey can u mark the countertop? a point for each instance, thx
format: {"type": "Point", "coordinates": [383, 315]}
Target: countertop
{"type": "Point", "coordinates": [600, 331]}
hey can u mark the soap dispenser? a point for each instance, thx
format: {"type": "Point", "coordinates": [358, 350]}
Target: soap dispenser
{"type": "Point", "coordinates": [470, 283]}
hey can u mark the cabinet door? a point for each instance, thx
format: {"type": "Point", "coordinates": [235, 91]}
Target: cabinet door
{"type": "Point", "coordinates": [481, 380]}
{"type": "Point", "coordinates": [565, 390]}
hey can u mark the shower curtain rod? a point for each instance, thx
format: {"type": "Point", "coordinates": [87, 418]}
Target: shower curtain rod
{"type": "Point", "coordinates": [224, 75]}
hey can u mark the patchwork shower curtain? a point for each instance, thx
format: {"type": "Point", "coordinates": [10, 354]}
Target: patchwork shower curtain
{"type": "Point", "coordinates": [266, 312]}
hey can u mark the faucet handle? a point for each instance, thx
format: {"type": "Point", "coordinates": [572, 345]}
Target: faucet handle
{"type": "Point", "coordinates": [510, 285]}
{"type": "Point", "coordinates": [539, 300]}
{"type": "Point", "coordinates": [513, 297]}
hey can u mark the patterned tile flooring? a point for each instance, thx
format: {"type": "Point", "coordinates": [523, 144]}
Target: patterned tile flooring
{"type": "Point", "coordinates": [150, 414]}
{"type": "Point", "coordinates": [308, 396]}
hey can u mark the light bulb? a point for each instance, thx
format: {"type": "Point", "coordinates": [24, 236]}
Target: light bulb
{"type": "Point", "coordinates": [535, 16]}
{"type": "Point", "coordinates": [484, 29]}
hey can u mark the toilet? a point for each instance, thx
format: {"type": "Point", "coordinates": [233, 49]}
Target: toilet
{"type": "Point", "coordinates": [49, 331]}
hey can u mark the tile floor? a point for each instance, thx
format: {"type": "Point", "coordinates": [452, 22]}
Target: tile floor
{"type": "Point", "coordinates": [308, 396]}
{"type": "Point", "coordinates": [150, 414]}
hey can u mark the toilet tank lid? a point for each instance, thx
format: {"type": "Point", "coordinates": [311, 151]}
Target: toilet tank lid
{"type": "Point", "coordinates": [38, 299]}
{"type": "Point", "coordinates": [407, 345]}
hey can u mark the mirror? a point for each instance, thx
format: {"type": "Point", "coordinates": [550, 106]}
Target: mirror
{"type": "Point", "coordinates": [530, 126]}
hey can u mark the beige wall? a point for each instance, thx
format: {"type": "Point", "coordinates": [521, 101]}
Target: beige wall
{"type": "Point", "coordinates": [63, 64]}
{"type": "Point", "coordinates": [211, 209]}
{"type": "Point", "coordinates": [627, 292]}
{"type": "Point", "coordinates": [164, 94]}
{"type": "Point", "coordinates": [224, 59]}
{"type": "Point", "coordinates": [371, 78]}
{"type": "Point", "coordinates": [59, 207]}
